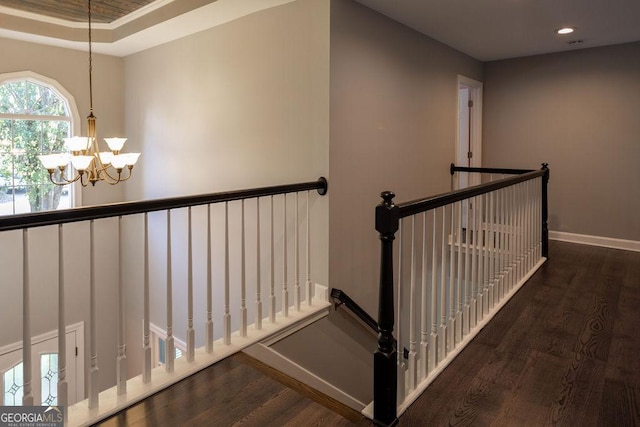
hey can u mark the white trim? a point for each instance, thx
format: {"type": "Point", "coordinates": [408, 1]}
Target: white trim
{"type": "Point", "coordinates": [287, 366]}
{"type": "Point", "coordinates": [605, 242]}
{"type": "Point", "coordinates": [475, 95]}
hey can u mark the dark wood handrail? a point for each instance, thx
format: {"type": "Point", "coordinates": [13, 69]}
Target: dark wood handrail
{"type": "Point", "coordinates": [40, 219]}
{"type": "Point", "coordinates": [422, 205]}
{"type": "Point", "coordinates": [453, 169]}
{"type": "Point", "coordinates": [354, 307]}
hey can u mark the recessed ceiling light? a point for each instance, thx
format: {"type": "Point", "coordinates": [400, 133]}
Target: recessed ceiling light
{"type": "Point", "coordinates": [565, 30]}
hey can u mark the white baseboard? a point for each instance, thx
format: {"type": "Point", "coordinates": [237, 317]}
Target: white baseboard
{"type": "Point", "coordinates": [285, 365]}
{"type": "Point", "coordinates": [606, 242]}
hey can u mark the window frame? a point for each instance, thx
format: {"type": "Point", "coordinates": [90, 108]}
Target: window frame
{"type": "Point", "coordinates": [70, 103]}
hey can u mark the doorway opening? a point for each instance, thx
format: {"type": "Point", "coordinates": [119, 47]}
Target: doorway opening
{"type": "Point", "coordinates": [469, 131]}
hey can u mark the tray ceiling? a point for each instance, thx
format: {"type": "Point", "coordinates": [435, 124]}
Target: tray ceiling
{"type": "Point", "coordinates": [103, 11]}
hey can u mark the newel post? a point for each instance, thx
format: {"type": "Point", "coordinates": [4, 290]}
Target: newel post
{"type": "Point", "coordinates": [545, 211]}
{"type": "Point", "coordinates": [385, 357]}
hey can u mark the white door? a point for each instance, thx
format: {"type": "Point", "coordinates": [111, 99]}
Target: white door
{"type": "Point", "coordinates": [44, 372]}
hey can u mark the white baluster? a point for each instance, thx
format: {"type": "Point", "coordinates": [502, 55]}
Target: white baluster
{"type": "Point", "coordinates": [413, 361]}
{"type": "Point", "coordinates": [517, 224]}
{"type": "Point", "coordinates": [272, 292]}
{"type": "Point", "coordinates": [471, 278]}
{"type": "Point", "coordinates": [296, 259]}
{"type": "Point", "coordinates": [492, 253]}
{"type": "Point", "coordinates": [27, 395]}
{"type": "Point", "coordinates": [501, 244]}
{"type": "Point", "coordinates": [512, 235]}
{"type": "Point", "coordinates": [191, 333]}
{"type": "Point", "coordinates": [121, 361]}
{"type": "Point", "coordinates": [533, 226]}
{"type": "Point", "coordinates": [486, 237]}
{"type": "Point", "coordinates": [533, 222]}
{"type": "Point", "coordinates": [285, 290]}
{"type": "Point", "coordinates": [458, 291]}
{"type": "Point", "coordinates": [529, 224]}
{"type": "Point", "coordinates": [243, 278]}
{"type": "Point", "coordinates": [398, 327]}
{"type": "Point", "coordinates": [308, 255]}
{"type": "Point", "coordinates": [520, 224]}
{"type": "Point", "coordinates": [226, 320]}
{"type": "Point", "coordinates": [146, 333]}
{"type": "Point", "coordinates": [258, 320]}
{"type": "Point", "coordinates": [63, 386]}
{"type": "Point", "coordinates": [433, 338]}
{"type": "Point", "coordinates": [170, 352]}
{"type": "Point", "coordinates": [442, 337]}
{"type": "Point", "coordinates": [93, 323]}
{"type": "Point", "coordinates": [465, 299]}
{"type": "Point", "coordinates": [517, 216]}
{"type": "Point", "coordinates": [209, 322]}
{"type": "Point", "coordinates": [451, 285]}
{"type": "Point", "coordinates": [424, 305]}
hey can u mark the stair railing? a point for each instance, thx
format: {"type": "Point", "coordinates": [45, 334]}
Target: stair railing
{"type": "Point", "coordinates": [277, 215]}
{"type": "Point", "coordinates": [461, 256]}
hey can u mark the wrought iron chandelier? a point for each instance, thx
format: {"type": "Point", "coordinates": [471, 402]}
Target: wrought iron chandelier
{"type": "Point", "coordinates": [91, 164]}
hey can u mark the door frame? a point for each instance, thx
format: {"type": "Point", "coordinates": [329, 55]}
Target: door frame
{"type": "Point", "coordinates": [78, 329]}
{"type": "Point", "coordinates": [475, 95]}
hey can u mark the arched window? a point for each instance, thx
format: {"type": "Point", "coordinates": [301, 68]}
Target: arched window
{"type": "Point", "coordinates": [36, 113]}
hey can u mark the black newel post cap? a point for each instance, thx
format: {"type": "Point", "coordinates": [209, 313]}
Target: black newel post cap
{"type": "Point", "coordinates": [387, 214]}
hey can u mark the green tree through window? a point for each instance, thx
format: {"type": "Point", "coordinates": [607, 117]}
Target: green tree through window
{"type": "Point", "coordinates": [34, 120]}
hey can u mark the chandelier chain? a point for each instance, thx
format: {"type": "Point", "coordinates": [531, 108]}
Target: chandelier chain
{"type": "Point", "coordinates": [90, 62]}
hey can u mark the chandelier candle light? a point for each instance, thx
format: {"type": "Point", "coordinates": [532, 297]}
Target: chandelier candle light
{"type": "Point", "coordinates": [91, 164]}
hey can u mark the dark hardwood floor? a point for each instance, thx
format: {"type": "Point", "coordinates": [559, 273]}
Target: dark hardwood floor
{"type": "Point", "coordinates": [565, 351]}
{"type": "Point", "coordinates": [237, 391]}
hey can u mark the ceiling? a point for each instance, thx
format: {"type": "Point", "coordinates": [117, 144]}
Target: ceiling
{"type": "Point", "coordinates": [77, 10]}
{"type": "Point", "coordinates": [486, 30]}
{"type": "Point", "coordinates": [498, 29]}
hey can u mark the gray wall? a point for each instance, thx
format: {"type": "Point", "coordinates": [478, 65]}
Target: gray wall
{"type": "Point", "coordinates": [244, 104]}
{"type": "Point", "coordinates": [577, 111]}
{"type": "Point", "coordinates": [393, 126]}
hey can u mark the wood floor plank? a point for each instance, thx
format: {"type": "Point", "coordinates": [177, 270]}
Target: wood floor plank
{"type": "Point", "coordinates": [620, 405]}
